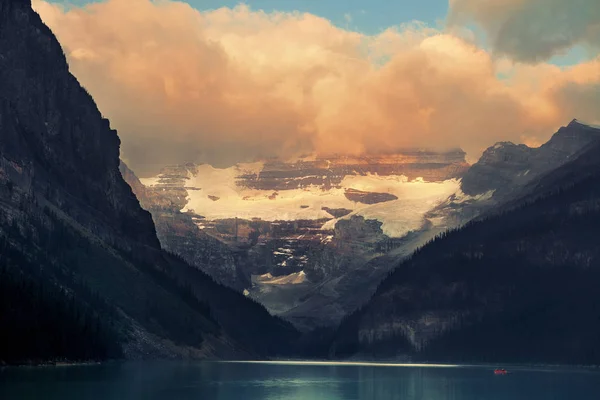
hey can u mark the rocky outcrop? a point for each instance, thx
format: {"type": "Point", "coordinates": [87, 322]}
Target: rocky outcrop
{"type": "Point", "coordinates": [498, 166]}
{"type": "Point", "coordinates": [368, 197]}
{"type": "Point", "coordinates": [337, 212]}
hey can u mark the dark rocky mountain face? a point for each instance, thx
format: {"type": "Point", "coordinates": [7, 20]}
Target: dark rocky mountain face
{"type": "Point", "coordinates": [72, 230]}
{"type": "Point", "coordinates": [520, 286]}
{"type": "Point", "coordinates": [54, 136]}
{"type": "Point", "coordinates": [506, 167]}
{"type": "Point", "coordinates": [506, 172]}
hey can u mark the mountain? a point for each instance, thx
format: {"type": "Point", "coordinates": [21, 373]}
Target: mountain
{"type": "Point", "coordinates": [505, 167]}
{"type": "Point", "coordinates": [580, 166]}
{"type": "Point", "coordinates": [506, 171]}
{"type": "Point", "coordinates": [300, 237]}
{"type": "Point", "coordinates": [82, 273]}
{"type": "Point", "coordinates": [311, 239]}
{"type": "Point", "coordinates": [519, 285]}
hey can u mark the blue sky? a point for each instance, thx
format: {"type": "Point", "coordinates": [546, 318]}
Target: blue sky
{"type": "Point", "coordinates": [369, 16]}
{"type": "Point", "coordinates": [366, 16]}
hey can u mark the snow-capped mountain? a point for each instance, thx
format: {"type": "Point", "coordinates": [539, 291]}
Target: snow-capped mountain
{"type": "Point", "coordinates": [285, 233]}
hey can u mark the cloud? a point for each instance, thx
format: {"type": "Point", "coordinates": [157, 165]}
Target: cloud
{"type": "Point", "coordinates": [532, 30]}
{"type": "Point", "coordinates": [234, 85]}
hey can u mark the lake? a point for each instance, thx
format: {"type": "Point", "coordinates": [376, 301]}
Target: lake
{"type": "Point", "coordinates": [294, 381]}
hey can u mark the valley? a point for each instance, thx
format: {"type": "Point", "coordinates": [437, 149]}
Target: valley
{"type": "Point", "coordinates": [312, 239]}
{"type": "Point", "coordinates": [297, 236]}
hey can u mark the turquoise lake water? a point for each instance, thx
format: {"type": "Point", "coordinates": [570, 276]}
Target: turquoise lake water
{"type": "Point", "coordinates": [294, 381]}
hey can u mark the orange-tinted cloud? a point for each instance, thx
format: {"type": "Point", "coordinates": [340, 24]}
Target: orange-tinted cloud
{"type": "Point", "coordinates": [532, 30]}
{"type": "Point", "coordinates": [235, 84]}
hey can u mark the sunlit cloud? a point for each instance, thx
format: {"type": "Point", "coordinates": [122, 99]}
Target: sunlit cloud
{"type": "Point", "coordinates": [234, 85]}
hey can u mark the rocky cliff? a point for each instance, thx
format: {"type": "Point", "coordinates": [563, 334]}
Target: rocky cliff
{"type": "Point", "coordinates": [52, 129]}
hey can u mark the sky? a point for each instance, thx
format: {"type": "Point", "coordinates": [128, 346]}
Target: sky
{"type": "Point", "coordinates": [370, 16]}
{"type": "Point", "coordinates": [224, 82]}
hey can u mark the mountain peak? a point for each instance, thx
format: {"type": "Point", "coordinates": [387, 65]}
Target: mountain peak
{"type": "Point", "coordinates": [505, 152]}
{"type": "Point", "coordinates": [571, 138]}
{"type": "Point", "coordinates": [506, 165]}
{"type": "Point", "coordinates": [579, 122]}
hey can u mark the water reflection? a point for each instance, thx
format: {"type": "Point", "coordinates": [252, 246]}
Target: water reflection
{"type": "Point", "coordinates": [233, 381]}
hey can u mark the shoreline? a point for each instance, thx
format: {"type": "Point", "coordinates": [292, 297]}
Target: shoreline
{"type": "Point", "coordinates": [314, 362]}
{"type": "Point", "coordinates": [46, 364]}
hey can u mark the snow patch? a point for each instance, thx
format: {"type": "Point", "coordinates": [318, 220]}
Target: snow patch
{"type": "Point", "coordinates": [460, 197]}
{"type": "Point", "coordinates": [399, 216]}
{"type": "Point", "coordinates": [406, 214]}
{"type": "Point", "coordinates": [291, 279]}
{"type": "Point", "coordinates": [149, 182]}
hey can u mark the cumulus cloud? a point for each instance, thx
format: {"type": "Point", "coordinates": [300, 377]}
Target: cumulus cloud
{"type": "Point", "coordinates": [532, 30]}
{"type": "Point", "coordinates": [234, 85]}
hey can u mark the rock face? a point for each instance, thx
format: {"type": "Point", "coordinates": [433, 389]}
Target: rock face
{"type": "Point", "coordinates": [498, 167]}
{"type": "Point", "coordinates": [505, 167]}
{"type": "Point", "coordinates": [337, 212]}
{"type": "Point", "coordinates": [506, 172]}
{"type": "Point", "coordinates": [368, 197]}
{"type": "Point", "coordinates": [70, 221]}
{"type": "Point", "coordinates": [329, 172]}
{"type": "Point", "coordinates": [80, 154]}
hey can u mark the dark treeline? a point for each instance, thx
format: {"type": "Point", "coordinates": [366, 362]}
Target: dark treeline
{"type": "Point", "coordinates": [550, 319]}
{"type": "Point", "coordinates": [46, 313]}
{"type": "Point", "coordinates": [244, 324]}
{"type": "Point", "coordinates": [42, 322]}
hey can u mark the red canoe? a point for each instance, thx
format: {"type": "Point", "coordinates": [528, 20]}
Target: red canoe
{"type": "Point", "coordinates": [500, 371]}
